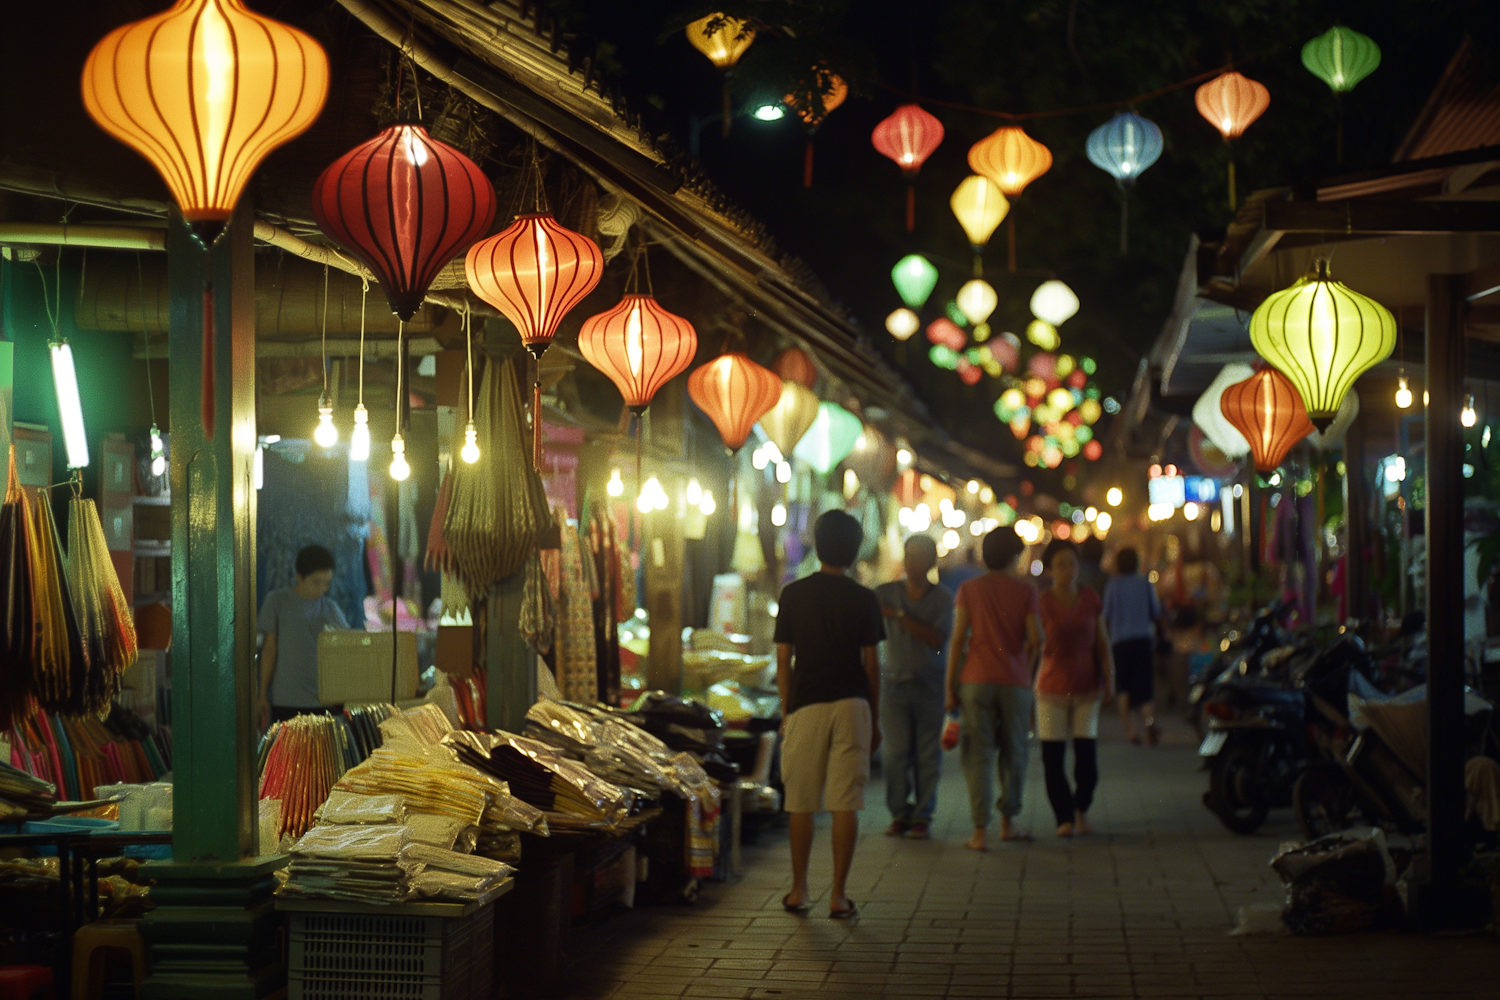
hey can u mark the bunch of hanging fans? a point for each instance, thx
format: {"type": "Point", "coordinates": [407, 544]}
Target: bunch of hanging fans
{"type": "Point", "coordinates": [66, 632]}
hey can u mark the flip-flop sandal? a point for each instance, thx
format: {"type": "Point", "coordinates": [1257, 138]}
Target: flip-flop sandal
{"type": "Point", "coordinates": [849, 911]}
{"type": "Point", "coordinates": [800, 909]}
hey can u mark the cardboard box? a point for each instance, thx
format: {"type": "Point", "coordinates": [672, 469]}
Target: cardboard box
{"type": "Point", "coordinates": [354, 668]}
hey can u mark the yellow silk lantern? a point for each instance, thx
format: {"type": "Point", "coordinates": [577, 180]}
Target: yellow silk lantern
{"type": "Point", "coordinates": [980, 207]}
{"type": "Point", "coordinates": [725, 43]}
{"type": "Point", "coordinates": [976, 300]}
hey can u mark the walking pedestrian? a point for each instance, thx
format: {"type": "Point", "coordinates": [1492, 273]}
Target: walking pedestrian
{"type": "Point", "coordinates": [919, 616]}
{"type": "Point", "coordinates": [1132, 611]}
{"type": "Point", "coordinates": [1076, 675]}
{"type": "Point", "coordinates": [990, 658]}
{"type": "Point", "coordinates": [828, 629]}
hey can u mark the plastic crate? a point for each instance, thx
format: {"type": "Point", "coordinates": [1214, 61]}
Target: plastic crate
{"type": "Point", "coordinates": [362, 956]}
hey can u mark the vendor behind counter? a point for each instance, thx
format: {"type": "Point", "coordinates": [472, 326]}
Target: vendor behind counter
{"type": "Point", "coordinates": [290, 622]}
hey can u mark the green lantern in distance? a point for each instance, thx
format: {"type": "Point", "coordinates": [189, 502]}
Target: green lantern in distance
{"type": "Point", "coordinates": [914, 278]}
{"type": "Point", "coordinates": [1341, 57]}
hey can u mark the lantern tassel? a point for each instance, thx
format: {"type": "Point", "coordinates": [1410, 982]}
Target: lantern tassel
{"type": "Point", "coordinates": [1124, 221]}
{"type": "Point", "coordinates": [639, 433]}
{"type": "Point", "coordinates": [1233, 200]}
{"type": "Point", "coordinates": [807, 164]}
{"type": "Point", "coordinates": [1010, 241]}
{"type": "Point", "coordinates": [726, 106]}
{"type": "Point", "coordinates": [536, 419]}
{"type": "Point", "coordinates": [911, 206]}
{"type": "Point", "coordinates": [208, 362]}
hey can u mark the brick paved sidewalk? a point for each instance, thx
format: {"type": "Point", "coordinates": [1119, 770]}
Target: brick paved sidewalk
{"type": "Point", "coordinates": [1140, 909]}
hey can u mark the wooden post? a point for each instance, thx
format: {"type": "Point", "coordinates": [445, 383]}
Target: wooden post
{"type": "Point", "coordinates": [1439, 897]}
{"type": "Point", "coordinates": [510, 662]}
{"type": "Point", "coordinates": [662, 555]}
{"type": "Point", "coordinates": [1356, 522]}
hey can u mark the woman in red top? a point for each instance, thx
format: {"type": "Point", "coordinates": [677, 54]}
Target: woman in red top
{"type": "Point", "coordinates": [1076, 675]}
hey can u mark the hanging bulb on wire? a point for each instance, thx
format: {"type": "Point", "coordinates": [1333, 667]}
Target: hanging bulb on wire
{"type": "Point", "coordinates": [400, 470]}
{"type": "Point", "coordinates": [359, 438]}
{"type": "Point", "coordinates": [325, 434]}
{"type": "Point", "coordinates": [470, 451]}
{"type": "Point", "coordinates": [616, 486]}
{"type": "Point", "coordinates": [1467, 416]}
{"type": "Point", "coordinates": [1403, 392]}
{"type": "Point", "coordinates": [158, 452]}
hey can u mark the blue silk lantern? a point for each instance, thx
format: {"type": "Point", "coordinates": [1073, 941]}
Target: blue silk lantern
{"type": "Point", "coordinates": [1124, 147]}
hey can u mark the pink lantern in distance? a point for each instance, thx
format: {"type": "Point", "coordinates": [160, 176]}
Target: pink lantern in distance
{"type": "Point", "coordinates": [947, 333]}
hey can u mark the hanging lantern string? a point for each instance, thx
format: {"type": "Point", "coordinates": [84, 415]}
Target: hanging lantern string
{"type": "Point", "coordinates": [323, 401]}
{"type": "Point", "coordinates": [469, 340]}
{"type": "Point", "coordinates": [1063, 112]}
{"type": "Point", "coordinates": [140, 278]}
{"type": "Point", "coordinates": [364, 291]}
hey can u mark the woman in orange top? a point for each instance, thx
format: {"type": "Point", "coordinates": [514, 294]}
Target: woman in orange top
{"type": "Point", "coordinates": [1076, 675]}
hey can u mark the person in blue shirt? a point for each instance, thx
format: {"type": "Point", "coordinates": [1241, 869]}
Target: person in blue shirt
{"type": "Point", "coordinates": [1131, 611]}
{"type": "Point", "coordinates": [290, 622]}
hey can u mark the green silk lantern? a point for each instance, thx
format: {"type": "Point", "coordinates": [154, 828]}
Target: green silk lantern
{"type": "Point", "coordinates": [914, 278]}
{"type": "Point", "coordinates": [830, 439]}
{"type": "Point", "coordinates": [1322, 335]}
{"type": "Point", "coordinates": [1341, 57]}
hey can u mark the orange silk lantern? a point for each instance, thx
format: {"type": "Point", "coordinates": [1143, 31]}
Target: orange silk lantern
{"type": "Point", "coordinates": [794, 365]}
{"type": "Point", "coordinates": [640, 346]}
{"type": "Point", "coordinates": [1231, 102]}
{"type": "Point", "coordinates": [205, 91]}
{"type": "Point", "coordinates": [723, 39]}
{"type": "Point", "coordinates": [909, 136]}
{"type": "Point", "coordinates": [833, 91]}
{"type": "Point", "coordinates": [734, 392]}
{"type": "Point", "coordinates": [534, 272]}
{"type": "Point", "coordinates": [1012, 159]}
{"type": "Point", "coordinates": [1267, 409]}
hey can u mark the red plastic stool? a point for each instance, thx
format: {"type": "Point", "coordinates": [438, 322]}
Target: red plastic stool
{"type": "Point", "coordinates": [25, 982]}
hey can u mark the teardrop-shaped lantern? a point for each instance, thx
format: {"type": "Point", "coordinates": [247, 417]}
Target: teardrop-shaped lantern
{"type": "Point", "coordinates": [977, 300]}
{"type": "Point", "coordinates": [980, 207]}
{"type": "Point", "coordinates": [640, 346]}
{"type": "Point", "coordinates": [1010, 158]}
{"type": "Point", "coordinates": [914, 278]}
{"type": "Point", "coordinates": [1124, 146]}
{"type": "Point", "coordinates": [1054, 302]}
{"type": "Point", "coordinates": [1006, 349]}
{"type": "Point", "coordinates": [948, 333]}
{"type": "Point", "coordinates": [405, 204]}
{"type": "Point", "coordinates": [1231, 102]}
{"type": "Point", "coordinates": [830, 438]}
{"type": "Point", "coordinates": [725, 43]}
{"type": "Point", "coordinates": [534, 272]}
{"type": "Point", "coordinates": [789, 419]}
{"type": "Point", "coordinates": [1322, 335]}
{"type": "Point", "coordinates": [205, 91]}
{"type": "Point", "coordinates": [908, 136]}
{"type": "Point", "coordinates": [1210, 418]}
{"type": "Point", "coordinates": [1268, 411]}
{"type": "Point", "coordinates": [1341, 57]}
{"type": "Point", "coordinates": [794, 364]}
{"type": "Point", "coordinates": [734, 392]}
{"type": "Point", "coordinates": [902, 323]}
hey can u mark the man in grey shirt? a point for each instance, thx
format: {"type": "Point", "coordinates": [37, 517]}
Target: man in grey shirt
{"type": "Point", "coordinates": [291, 621]}
{"type": "Point", "coordinates": [919, 615]}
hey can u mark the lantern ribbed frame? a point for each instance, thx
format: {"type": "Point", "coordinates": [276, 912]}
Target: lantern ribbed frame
{"type": "Point", "coordinates": [1267, 409]}
{"type": "Point", "coordinates": [1341, 57]}
{"type": "Point", "coordinates": [830, 439]}
{"type": "Point", "coordinates": [914, 278]}
{"type": "Point", "coordinates": [793, 363]}
{"type": "Point", "coordinates": [909, 135]}
{"type": "Point", "coordinates": [1125, 146]}
{"type": "Point", "coordinates": [406, 204]}
{"type": "Point", "coordinates": [1010, 158]}
{"type": "Point", "coordinates": [724, 46]}
{"type": "Point", "coordinates": [640, 346]}
{"type": "Point", "coordinates": [534, 273]}
{"type": "Point", "coordinates": [149, 85]}
{"type": "Point", "coordinates": [1322, 335]}
{"type": "Point", "coordinates": [794, 412]}
{"type": "Point", "coordinates": [1231, 102]}
{"type": "Point", "coordinates": [980, 206]}
{"type": "Point", "coordinates": [734, 392]}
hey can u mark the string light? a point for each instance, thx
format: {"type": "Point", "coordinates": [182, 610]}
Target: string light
{"type": "Point", "coordinates": [778, 515]}
{"type": "Point", "coordinates": [616, 485]}
{"type": "Point", "coordinates": [694, 492]}
{"type": "Point", "coordinates": [1114, 496]}
{"type": "Point", "coordinates": [1467, 416]}
{"type": "Point", "coordinates": [158, 451]}
{"type": "Point", "coordinates": [1403, 392]}
{"type": "Point", "coordinates": [359, 437]}
{"type": "Point", "coordinates": [400, 470]}
{"type": "Point", "coordinates": [470, 451]}
{"type": "Point", "coordinates": [707, 505]}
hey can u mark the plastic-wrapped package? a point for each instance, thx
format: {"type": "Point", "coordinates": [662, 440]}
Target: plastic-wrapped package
{"type": "Point", "coordinates": [433, 884]}
{"type": "Point", "coordinates": [539, 774]}
{"type": "Point", "coordinates": [452, 861]}
{"type": "Point", "coordinates": [349, 808]}
{"type": "Point", "coordinates": [562, 725]}
{"type": "Point", "coordinates": [142, 807]}
{"type": "Point", "coordinates": [428, 778]}
{"type": "Point", "coordinates": [440, 831]}
{"type": "Point", "coordinates": [514, 814]}
{"type": "Point", "coordinates": [354, 843]}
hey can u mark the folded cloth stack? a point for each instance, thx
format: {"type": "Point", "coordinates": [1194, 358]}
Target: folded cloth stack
{"type": "Point", "coordinates": [453, 877]}
{"type": "Point", "coordinates": [20, 793]}
{"type": "Point", "coordinates": [366, 864]}
{"type": "Point", "coordinates": [570, 794]}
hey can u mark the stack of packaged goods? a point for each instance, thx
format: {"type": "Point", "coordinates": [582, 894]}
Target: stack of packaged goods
{"type": "Point", "coordinates": [615, 750]}
{"type": "Point", "coordinates": [571, 796]}
{"type": "Point", "coordinates": [22, 794]}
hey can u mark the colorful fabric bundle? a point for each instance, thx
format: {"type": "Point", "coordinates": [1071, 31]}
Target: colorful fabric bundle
{"type": "Point", "coordinates": [22, 793]}
{"type": "Point", "coordinates": [79, 753]}
{"type": "Point", "coordinates": [104, 615]}
{"type": "Point", "coordinates": [16, 701]}
{"type": "Point", "coordinates": [60, 666]}
{"type": "Point", "coordinates": [303, 757]}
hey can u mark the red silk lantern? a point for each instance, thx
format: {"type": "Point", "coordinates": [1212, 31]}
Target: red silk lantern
{"type": "Point", "coordinates": [909, 136]}
{"type": "Point", "coordinates": [734, 392]}
{"type": "Point", "coordinates": [794, 365]}
{"type": "Point", "coordinates": [405, 204]}
{"type": "Point", "coordinates": [1093, 451]}
{"type": "Point", "coordinates": [948, 333]}
{"type": "Point", "coordinates": [640, 346]}
{"type": "Point", "coordinates": [968, 373]}
{"type": "Point", "coordinates": [1268, 410]}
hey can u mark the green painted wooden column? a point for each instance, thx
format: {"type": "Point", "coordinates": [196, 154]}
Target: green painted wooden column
{"type": "Point", "coordinates": [510, 662]}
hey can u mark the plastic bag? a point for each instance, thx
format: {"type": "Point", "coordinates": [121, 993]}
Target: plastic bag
{"type": "Point", "coordinates": [453, 861]}
{"type": "Point", "coordinates": [352, 808]}
{"type": "Point", "coordinates": [1340, 884]}
{"type": "Point", "coordinates": [354, 843]}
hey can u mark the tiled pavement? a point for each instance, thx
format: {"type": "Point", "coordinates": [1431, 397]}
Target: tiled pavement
{"type": "Point", "coordinates": [1140, 909]}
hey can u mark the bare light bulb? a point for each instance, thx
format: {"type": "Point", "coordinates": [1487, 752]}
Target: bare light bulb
{"type": "Point", "coordinates": [470, 451]}
{"type": "Point", "coordinates": [1467, 416]}
{"type": "Point", "coordinates": [707, 505]}
{"type": "Point", "coordinates": [325, 434]}
{"type": "Point", "coordinates": [778, 515]}
{"type": "Point", "coordinates": [400, 470]}
{"type": "Point", "coordinates": [158, 452]}
{"type": "Point", "coordinates": [694, 492]}
{"type": "Point", "coordinates": [783, 472]}
{"type": "Point", "coordinates": [1403, 393]}
{"type": "Point", "coordinates": [359, 438]}
{"type": "Point", "coordinates": [616, 485]}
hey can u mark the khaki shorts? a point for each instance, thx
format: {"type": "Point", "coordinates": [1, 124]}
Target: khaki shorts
{"type": "Point", "coordinates": [825, 759]}
{"type": "Point", "coordinates": [1059, 716]}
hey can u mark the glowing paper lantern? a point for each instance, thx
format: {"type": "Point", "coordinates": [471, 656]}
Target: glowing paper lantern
{"type": "Point", "coordinates": [902, 323]}
{"type": "Point", "coordinates": [1211, 419]}
{"type": "Point", "coordinates": [1093, 451]}
{"type": "Point", "coordinates": [1010, 158]}
{"type": "Point", "coordinates": [1043, 334]}
{"type": "Point", "coordinates": [1322, 335]}
{"type": "Point", "coordinates": [794, 412]}
{"type": "Point", "coordinates": [534, 272]}
{"type": "Point", "coordinates": [830, 438]}
{"type": "Point", "coordinates": [734, 392]}
{"type": "Point", "coordinates": [980, 206]}
{"type": "Point", "coordinates": [1124, 146]}
{"type": "Point", "coordinates": [1231, 103]}
{"type": "Point", "coordinates": [943, 356]}
{"type": "Point", "coordinates": [977, 300]}
{"type": "Point", "coordinates": [914, 278]}
{"type": "Point", "coordinates": [968, 372]}
{"type": "Point", "coordinates": [1053, 302]}
{"type": "Point", "coordinates": [205, 91]}
{"type": "Point", "coordinates": [405, 204]}
{"type": "Point", "coordinates": [1020, 424]}
{"type": "Point", "coordinates": [946, 332]}
{"type": "Point", "coordinates": [640, 346]}
{"type": "Point", "coordinates": [1006, 349]}
{"type": "Point", "coordinates": [1090, 411]}
{"type": "Point", "coordinates": [1341, 57]}
{"type": "Point", "coordinates": [872, 459]}
{"type": "Point", "coordinates": [725, 43]}
{"type": "Point", "coordinates": [908, 136]}
{"type": "Point", "coordinates": [1268, 411]}
{"type": "Point", "coordinates": [830, 89]}
{"type": "Point", "coordinates": [794, 364]}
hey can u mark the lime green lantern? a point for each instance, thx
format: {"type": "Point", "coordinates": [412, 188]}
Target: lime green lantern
{"type": "Point", "coordinates": [830, 439]}
{"type": "Point", "coordinates": [914, 278]}
{"type": "Point", "coordinates": [1322, 335]}
{"type": "Point", "coordinates": [1341, 57]}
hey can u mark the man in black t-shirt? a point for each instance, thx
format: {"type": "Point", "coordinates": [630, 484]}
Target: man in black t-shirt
{"type": "Point", "coordinates": [827, 631]}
